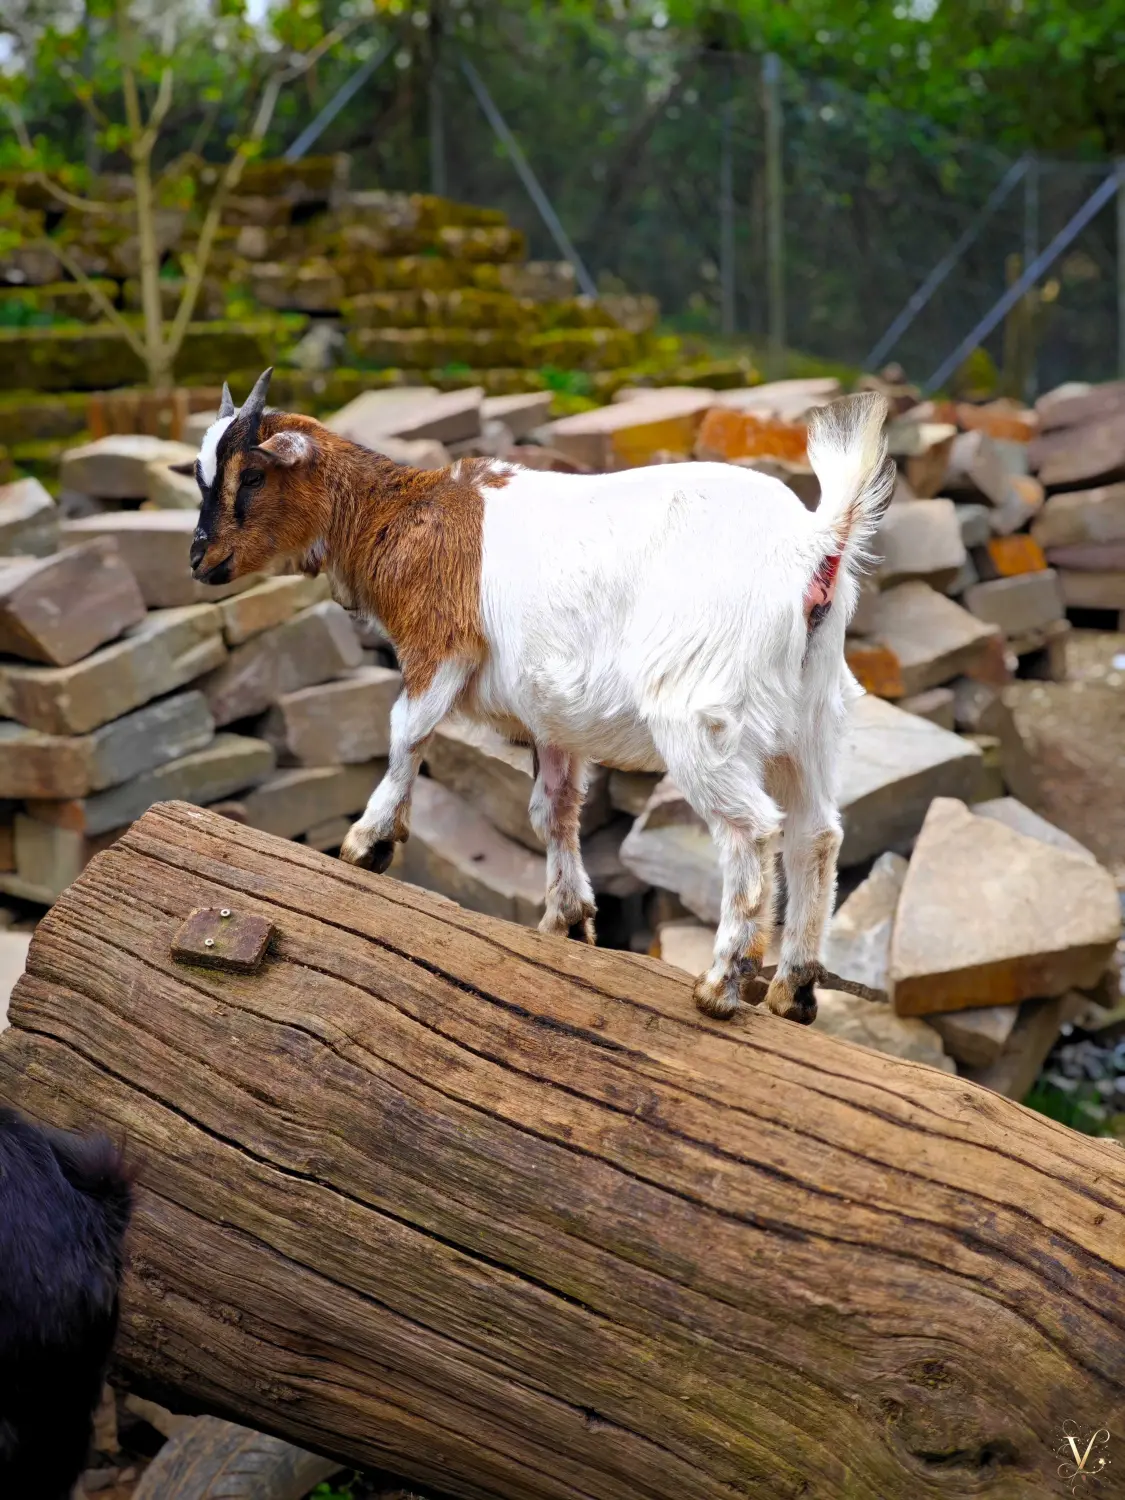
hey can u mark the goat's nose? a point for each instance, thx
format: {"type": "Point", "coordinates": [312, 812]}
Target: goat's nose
{"type": "Point", "coordinates": [198, 548]}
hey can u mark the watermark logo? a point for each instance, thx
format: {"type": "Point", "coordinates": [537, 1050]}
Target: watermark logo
{"type": "Point", "coordinates": [1082, 1457]}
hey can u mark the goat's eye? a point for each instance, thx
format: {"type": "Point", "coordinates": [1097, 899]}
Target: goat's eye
{"type": "Point", "coordinates": [252, 478]}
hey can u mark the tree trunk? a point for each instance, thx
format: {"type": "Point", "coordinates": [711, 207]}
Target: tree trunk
{"type": "Point", "coordinates": [505, 1215]}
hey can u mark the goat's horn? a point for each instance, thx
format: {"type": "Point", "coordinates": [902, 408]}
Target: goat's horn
{"type": "Point", "coordinates": [256, 401]}
{"type": "Point", "coordinates": [226, 405]}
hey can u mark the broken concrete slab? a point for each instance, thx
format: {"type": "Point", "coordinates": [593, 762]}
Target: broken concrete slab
{"type": "Point", "coordinates": [601, 856]}
{"type": "Point", "coordinates": [269, 603]}
{"type": "Point", "coordinates": [329, 835]}
{"type": "Point", "coordinates": [935, 704]}
{"type": "Point", "coordinates": [1088, 590]}
{"type": "Point", "coordinates": [155, 546]}
{"type": "Point", "coordinates": [782, 400]}
{"type": "Point", "coordinates": [1080, 517]}
{"type": "Point", "coordinates": [342, 722]}
{"type": "Point", "coordinates": [977, 471]}
{"type": "Point", "coordinates": [318, 644]}
{"type": "Point", "coordinates": [670, 847]}
{"type": "Point", "coordinates": [920, 539]}
{"type": "Point", "coordinates": [1023, 503]}
{"type": "Point", "coordinates": [49, 858]}
{"type": "Point", "coordinates": [973, 520]}
{"type": "Point", "coordinates": [685, 945]}
{"type": "Point", "coordinates": [167, 490]}
{"type": "Point", "coordinates": [453, 849]}
{"type": "Point", "coordinates": [1022, 1057]}
{"type": "Point", "coordinates": [1009, 557]}
{"type": "Point", "coordinates": [629, 791]}
{"type": "Point", "coordinates": [409, 413]}
{"type": "Point", "coordinates": [113, 468]}
{"type": "Point", "coordinates": [981, 709]}
{"type": "Point", "coordinates": [874, 1024]}
{"type": "Point", "coordinates": [168, 649]}
{"type": "Point", "coordinates": [29, 520]}
{"type": "Point", "coordinates": [58, 609]}
{"type": "Point", "coordinates": [291, 802]}
{"type": "Point", "coordinates": [1092, 557]}
{"type": "Point", "coordinates": [223, 766]}
{"type": "Point", "coordinates": [43, 765]}
{"type": "Point", "coordinates": [1077, 402]}
{"type": "Point", "coordinates": [1078, 457]}
{"type": "Point", "coordinates": [1016, 815]}
{"type": "Point", "coordinates": [1018, 605]}
{"type": "Point", "coordinates": [630, 433]}
{"type": "Point", "coordinates": [932, 638]}
{"type": "Point", "coordinates": [976, 1037]}
{"type": "Point", "coordinates": [922, 451]}
{"type": "Point", "coordinates": [520, 414]}
{"type": "Point", "coordinates": [858, 941]}
{"type": "Point", "coordinates": [497, 777]}
{"type": "Point", "coordinates": [798, 477]}
{"type": "Point", "coordinates": [893, 766]}
{"type": "Point", "coordinates": [1053, 918]}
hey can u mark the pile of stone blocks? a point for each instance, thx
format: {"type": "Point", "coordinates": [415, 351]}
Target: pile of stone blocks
{"type": "Point", "coordinates": [124, 683]}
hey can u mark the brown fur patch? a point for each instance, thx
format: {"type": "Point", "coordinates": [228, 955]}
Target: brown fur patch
{"type": "Point", "coordinates": [825, 848]}
{"type": "Point", "coordinates": [404, 544]}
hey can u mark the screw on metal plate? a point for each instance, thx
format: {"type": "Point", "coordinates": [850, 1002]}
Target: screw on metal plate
{"type": "Point", "coordinates": [221, 938]}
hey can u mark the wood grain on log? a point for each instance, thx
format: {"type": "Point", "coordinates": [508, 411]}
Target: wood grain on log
{"type": "Point", "coordinates": [503, 1214]}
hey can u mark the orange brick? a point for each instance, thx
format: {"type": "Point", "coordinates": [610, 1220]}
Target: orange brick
{"type": "Point", "coordinates": [726, 435]}
{"type": "Point", "coordinates": [634, 447]}
{"type": "Point", "coordinates": [998, 421]}
{"type": "Point", "coordinates": [876, 668]}
{"type": "Point", "coordinates": [1012, 555]}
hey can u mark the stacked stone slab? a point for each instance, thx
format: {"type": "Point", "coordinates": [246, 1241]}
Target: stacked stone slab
{"type": "Point", "coordinates": [123, 683]}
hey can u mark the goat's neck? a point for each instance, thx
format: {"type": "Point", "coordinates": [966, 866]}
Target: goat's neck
{"type": "Point", "coordinates": [366, 494]}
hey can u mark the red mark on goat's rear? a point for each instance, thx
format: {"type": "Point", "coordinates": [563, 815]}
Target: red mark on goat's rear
{"type": "Point", "coordinates": [822, 588]}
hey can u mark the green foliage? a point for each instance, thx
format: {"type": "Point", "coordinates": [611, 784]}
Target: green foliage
{"type": "Point", "coordinates": [567, 382]}
{"type": "Point", "coordinates": [339, 1491]}
{"type": "Point", "coordinates": [1075, 1109]}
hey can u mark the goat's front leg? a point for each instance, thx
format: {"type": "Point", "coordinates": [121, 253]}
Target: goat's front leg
{"type": "Point", "coordinates": [810, 846]}
{"type": "Point", "coordinates": [385, 821]}
{"type": "Point", "coordinates": [555, 810]}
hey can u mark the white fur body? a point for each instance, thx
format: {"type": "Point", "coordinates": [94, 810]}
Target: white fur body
{"type": "Point", "coordinates": [663, 618]}
{"type": "Point", "coordinates": [619, 606]}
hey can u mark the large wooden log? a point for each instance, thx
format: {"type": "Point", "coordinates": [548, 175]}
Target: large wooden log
{"type": "Point", "coordinates": [505, 1215]}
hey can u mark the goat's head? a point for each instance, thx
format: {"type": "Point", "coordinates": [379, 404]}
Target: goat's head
{"type": "Point", "coordinates": [250, 514]}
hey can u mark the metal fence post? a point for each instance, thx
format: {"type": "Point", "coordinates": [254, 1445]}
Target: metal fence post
{"type": "Point", "coordinates": [726, 221]}
{"type": "Point", "coordinates": [531, 183]}
{"type": "Point", "coordinates": [1030, 251]}
{"type": "Point", "coordinates": [346, 92]}
{"type": "Point", "coordinates": [1110, 185]}
{"type": "Point", "coordinates": [775, 207]}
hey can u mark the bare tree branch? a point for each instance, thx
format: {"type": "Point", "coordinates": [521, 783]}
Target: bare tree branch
{"type": "Point", "coordinates": [98, 297]}
{"type": "Point", "coordinates": [60, 194]}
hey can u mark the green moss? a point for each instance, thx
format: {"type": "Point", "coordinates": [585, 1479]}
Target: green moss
{"type": "Point", "coordinates": [464, 307]}
{"type": "Point", "coordinates": [97, 357]}
{"type": "Point", "coordinates": [583, 348]}
{"type": "Point", "coordinates": [40, 459]}
{"type": "Point", "coordinates": [57, 302]}
{"type": "Point", "coordinates": [495, 245]}
{"type": "Point", "coordinates": [28, 416]}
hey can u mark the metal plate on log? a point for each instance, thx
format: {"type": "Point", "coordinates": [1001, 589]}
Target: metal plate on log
{"type": "Point", "coordinates": [217, 937]}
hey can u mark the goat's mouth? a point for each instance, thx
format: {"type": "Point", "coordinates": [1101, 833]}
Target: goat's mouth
{"type": "Point", "coordinates": [218, 573]}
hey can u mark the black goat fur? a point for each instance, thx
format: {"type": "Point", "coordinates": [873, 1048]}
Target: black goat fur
{"type": "Point", "coordinates": [65, 1202]}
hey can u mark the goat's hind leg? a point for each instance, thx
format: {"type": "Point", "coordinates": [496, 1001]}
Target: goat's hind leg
{"type": "Point", "coordinates": [810, 846]}
{"type": "Point", "coordinates": [727, 792]}
{"type": "Point", "coordinates": [385, 821]}
{"type": "Point", "coordinates": [555, 810]}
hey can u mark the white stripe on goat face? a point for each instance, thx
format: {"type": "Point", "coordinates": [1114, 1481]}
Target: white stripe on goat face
{"type": "Point", "coordinates": [208, 449]}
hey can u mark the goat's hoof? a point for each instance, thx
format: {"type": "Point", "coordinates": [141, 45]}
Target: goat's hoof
{"type": "Point", "coordinates": [719, 1000]}
{"type": "Point", "coordinates": [375, 856]}
{"type": "Point", "coordinates": [793, 997]}
{"type": "Point", "coordinates": [583, 931]}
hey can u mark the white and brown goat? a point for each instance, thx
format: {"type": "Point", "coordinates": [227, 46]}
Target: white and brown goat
{"type": "Point", "coordinates": [687, 617]}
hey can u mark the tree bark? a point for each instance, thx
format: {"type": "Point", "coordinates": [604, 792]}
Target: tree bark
{"type": "Point", "coordinates": [503, 1214]}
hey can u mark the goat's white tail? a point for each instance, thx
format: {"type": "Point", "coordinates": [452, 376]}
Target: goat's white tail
{"type": "Point", "coordinates": [847, 449]}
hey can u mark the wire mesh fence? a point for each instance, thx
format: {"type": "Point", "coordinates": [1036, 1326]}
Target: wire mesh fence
{"type": "Point", "coordinates": [656, 161]}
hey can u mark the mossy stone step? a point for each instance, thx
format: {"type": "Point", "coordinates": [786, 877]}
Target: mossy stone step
{"type": "Point", "coordinates": [425, 348]}
{"type": "Point", "coordinates": [97, 357]}
{"type": "Point", "coordinates": [469, 307]}
{"type": "Point", "coordinates": [57, 299]}
{"type": "Point", "coordinates": [32, 416]}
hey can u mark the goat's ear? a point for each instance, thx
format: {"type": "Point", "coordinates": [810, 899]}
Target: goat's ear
{"type": "Point", "coordinates": [286, 448]}
{"type": "Point", "coordinates": [187, 467]}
